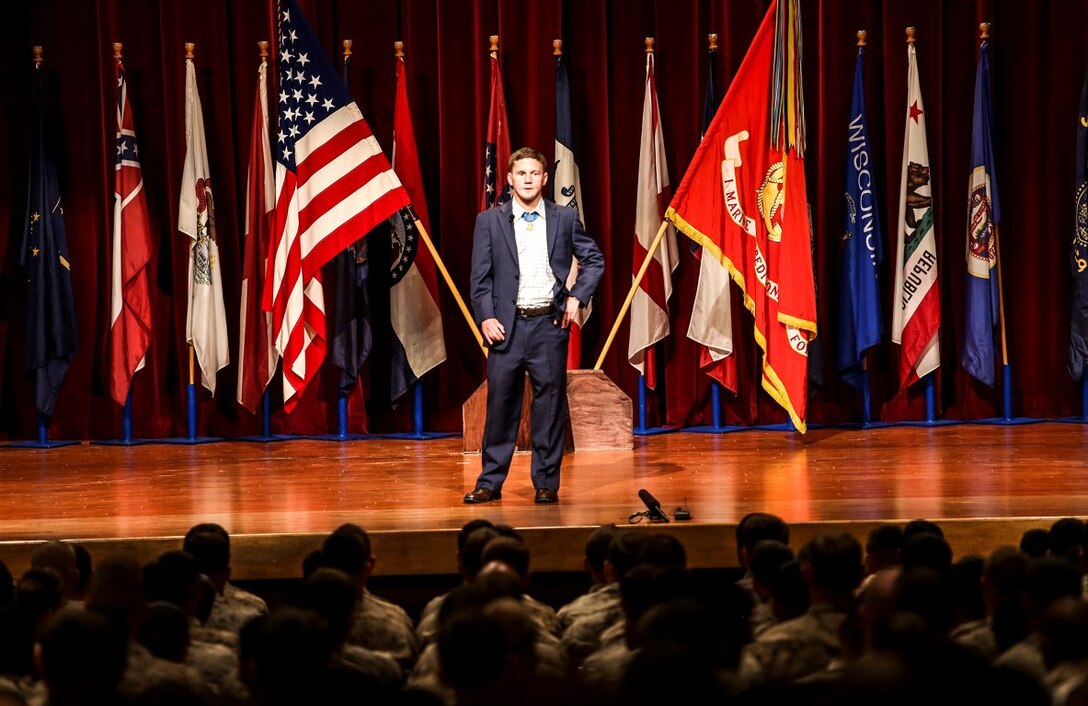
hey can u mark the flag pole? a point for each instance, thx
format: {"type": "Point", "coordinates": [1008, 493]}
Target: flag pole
{"type": "Point", "coordinates": [631, 294]}
{"type": "Point", "coordinates": [449, 282]}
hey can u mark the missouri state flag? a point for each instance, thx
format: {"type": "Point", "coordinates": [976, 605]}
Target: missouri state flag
{"type": "Point", "coordinates": [743, 200]}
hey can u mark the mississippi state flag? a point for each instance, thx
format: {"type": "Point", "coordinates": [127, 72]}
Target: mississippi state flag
{"type": "Point", "coordinates": [130, 302]}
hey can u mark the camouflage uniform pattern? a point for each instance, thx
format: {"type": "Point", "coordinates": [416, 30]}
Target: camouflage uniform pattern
{"type": "Point", "coordinates": [606, 667]}
{"type": "Point", "coordinates": [381, 626]}
{"type": "Point", "coordinates": [145, 670]}
{"type": "Point", "coordinates": [977, 636]}
{"type": "Point", "coordinates": [234, 608]}
{"type": "Point", "coordinates": [796, 648]}
{"type": "Point", "coordinates": [379, 666]}
{"type": "Point", "coordinates": [1025, 656]}
{"type": "Point", "coordinates": [586, 618]}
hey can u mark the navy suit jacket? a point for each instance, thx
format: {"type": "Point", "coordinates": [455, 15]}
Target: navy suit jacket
{"type": "Point", "coordinates": [495, 271]}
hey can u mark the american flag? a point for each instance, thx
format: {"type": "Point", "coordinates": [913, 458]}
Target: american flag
{"type": "Point", "coordinates": [333, 185]}
{"type": "Point", "coordinates": [130, 301]}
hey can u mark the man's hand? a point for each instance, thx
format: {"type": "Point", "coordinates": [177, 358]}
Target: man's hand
{"type": "Point", "coordinates": [493, 331]}
{"type": "Point", "coordinates": [569, 310]}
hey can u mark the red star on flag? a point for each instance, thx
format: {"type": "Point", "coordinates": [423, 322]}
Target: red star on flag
{"type": "Point", "coordinates": [915, 111]}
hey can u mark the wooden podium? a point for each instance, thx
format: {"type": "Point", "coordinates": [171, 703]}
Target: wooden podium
{"type": "Point", "coordinates": [599, 420]}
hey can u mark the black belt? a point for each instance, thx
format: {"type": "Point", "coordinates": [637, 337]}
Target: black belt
{"type": "Point", "coordinates": [530, 312]}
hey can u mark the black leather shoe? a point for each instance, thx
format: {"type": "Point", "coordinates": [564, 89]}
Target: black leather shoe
{"type": "Point", "coordinates": [547, 495]}
{"type": "Point", "coordinates": [481, 495]}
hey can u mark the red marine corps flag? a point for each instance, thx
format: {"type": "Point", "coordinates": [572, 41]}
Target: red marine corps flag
{"type": "Point", "coordinates": [743, 200]}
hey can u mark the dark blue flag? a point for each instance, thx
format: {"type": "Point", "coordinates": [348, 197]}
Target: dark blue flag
{"type": "Point", "coordinates": [1078, 320]}
{"type": "Point", "coordinates": [860, 323]}
{"type": "Point", "coordinates": [351, 334]}
{"type": "Point", "coordinates": [51, 338]}
{"type": "Point", "coordinates": [983, 216]}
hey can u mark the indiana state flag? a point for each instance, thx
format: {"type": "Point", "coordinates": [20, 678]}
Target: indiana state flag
{"type": "Point", "coordinates": [983, 215]}
{"type": "Point", "coordinates": [51, 337]}
{"type": "Point", "coordinates": [860, 323]}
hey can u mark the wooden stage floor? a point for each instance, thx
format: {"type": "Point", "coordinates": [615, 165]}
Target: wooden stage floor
{"type": "Point", "coordinates": [985, 484]}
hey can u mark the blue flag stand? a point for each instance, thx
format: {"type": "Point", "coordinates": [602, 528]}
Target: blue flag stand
{"type": "Point", "coordinates": [342, 433]}
{"type": "Point", "coordinates": [417, 433]}
{"type": "Point", "coordinates": [641, 429]}
{"type": "Point", "coordinates": [126, 428]}
{"type": "Point", "coordinates": [43, 441]}
{"type": "Point", "coordinates": [716, 426]}
{"type": "Point", "coordinates": [190, 438]}
{"type": "Point", "coordinates": [266, 435]}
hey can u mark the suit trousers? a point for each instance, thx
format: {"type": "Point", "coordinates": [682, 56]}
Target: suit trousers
{"type": "Point", "coordinates": [537, 346]}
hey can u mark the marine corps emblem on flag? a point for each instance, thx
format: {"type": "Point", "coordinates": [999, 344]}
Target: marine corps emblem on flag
{"type": "Point", "coordinates": [771, 197]}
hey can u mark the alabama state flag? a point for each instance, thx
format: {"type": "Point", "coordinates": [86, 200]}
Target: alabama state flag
{"type": "Point", "coordinates": [743, 200]}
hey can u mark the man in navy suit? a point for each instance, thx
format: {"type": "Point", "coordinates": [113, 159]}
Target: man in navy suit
{"type": "Point", "coordinates": [521, 257]}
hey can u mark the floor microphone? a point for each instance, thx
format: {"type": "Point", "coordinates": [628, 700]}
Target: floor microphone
{"type": "Point", "coordinates": [656, 514]}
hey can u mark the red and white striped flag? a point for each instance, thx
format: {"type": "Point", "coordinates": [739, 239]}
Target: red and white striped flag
{"type": "Point", "coordinates": [130, 300]}
{"type": "Point", "coordinates": [333, 185]}
{"type": "Point", "coordinates": [650, 307]}
{"type": "Point", "coordinates": [257, 356]}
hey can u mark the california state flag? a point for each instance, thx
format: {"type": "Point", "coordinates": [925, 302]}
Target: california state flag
{"type": "Point", "coordinates": [743, 200]}
{"type": "Point", "coordinates": [916, 309]}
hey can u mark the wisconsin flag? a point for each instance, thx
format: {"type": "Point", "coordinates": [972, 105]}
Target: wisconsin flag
{"type": "Point", "coordinates": [257, 356]}
{"type": "Point", "coordinates": [983, 215]}
{"type": "Point", "coordinates": [418, 344]}
{"type": "Point", "coordinates": [860, 322]}
{"type": "Point", "coordinates": [206, 320]}
{"type": "Point", "coordinates": [650, 307]}
{"type": "Point", "coordinates": [743, 200]}
{"type": "Point", "coordinates": [916, 310]}
{"type": "Point", "coordinates": [567, 186]}
{"type": "Point", "coordinates": [51, 336]}
{"type": "Point", "coordinates": [130, 301]}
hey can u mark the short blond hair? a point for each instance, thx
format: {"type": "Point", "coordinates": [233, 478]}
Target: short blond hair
{"type": "Point", "coordinates": [525, 153]}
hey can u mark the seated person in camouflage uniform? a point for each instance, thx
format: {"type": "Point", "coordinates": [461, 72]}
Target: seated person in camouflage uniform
{"type": "Point", "coordinates": [209, 543]}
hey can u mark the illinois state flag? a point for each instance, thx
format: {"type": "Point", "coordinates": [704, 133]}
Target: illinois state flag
{"type": "Point", "coordinates": [333, 185]}
{"type": "Point", "coordinates": [206, 319]}
{"type": "Point", "coordinates": [413, 299]}
{"type": "Point", "coordinates": [743, 200]}
{"type": "Point", "coordinates": [130, 299]}
{"type": "Point", "coordinates": [916, 309]}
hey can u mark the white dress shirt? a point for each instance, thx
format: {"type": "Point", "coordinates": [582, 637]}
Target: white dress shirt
{"type": "Point", "coordinates": [537, 281]}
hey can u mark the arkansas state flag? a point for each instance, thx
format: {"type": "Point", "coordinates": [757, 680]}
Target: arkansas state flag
{"type": "Point", "coordinates": [743, 200]}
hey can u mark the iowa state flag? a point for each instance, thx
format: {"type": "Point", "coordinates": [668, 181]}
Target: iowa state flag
{"type": "Point", "coordinates": [743, 200]}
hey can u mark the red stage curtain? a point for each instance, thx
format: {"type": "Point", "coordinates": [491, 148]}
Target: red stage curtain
{"type": "Point", "coordinates": [1039, 59]}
